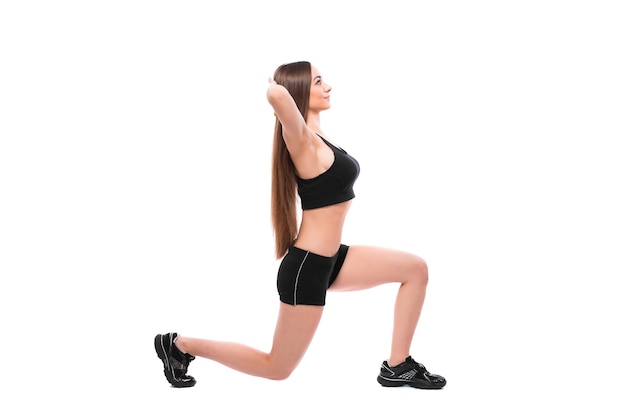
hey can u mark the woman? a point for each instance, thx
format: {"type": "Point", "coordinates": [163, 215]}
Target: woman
{"type": "Point", "coordinates": [313, 258]}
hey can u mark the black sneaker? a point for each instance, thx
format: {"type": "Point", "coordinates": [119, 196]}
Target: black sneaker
{"type": "Point", "coordinates": [409, 373]}
{"type": "Point", "coordinates": [175, 362]}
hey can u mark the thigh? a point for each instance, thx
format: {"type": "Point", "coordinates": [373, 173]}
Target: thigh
{"type": "Point", "coordinates": [294, 332]}
{"type": "Point", "coordinates": [303, 277]}
{"type": "Point", "coordinates": [369, 266]}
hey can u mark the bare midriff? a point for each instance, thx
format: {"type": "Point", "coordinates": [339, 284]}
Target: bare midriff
{"type": "Point", "coordinates": [320, 229]}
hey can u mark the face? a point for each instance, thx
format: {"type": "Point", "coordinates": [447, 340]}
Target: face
{"type": "Point", "coordinates": [319, 98]}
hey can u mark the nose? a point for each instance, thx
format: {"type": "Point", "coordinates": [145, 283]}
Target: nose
{"type": "Point", "coordinates": [327, 87]}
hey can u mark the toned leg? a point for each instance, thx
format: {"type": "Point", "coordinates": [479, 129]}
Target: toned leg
{"type": "Point", "coordinates": [367, 267]}
{"type": "Point", "coordinates": [294, 331]}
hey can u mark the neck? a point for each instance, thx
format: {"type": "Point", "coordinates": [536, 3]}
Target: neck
{"type": "Point", "coordinates": [313, 121]}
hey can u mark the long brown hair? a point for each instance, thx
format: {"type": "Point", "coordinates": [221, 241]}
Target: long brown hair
{"type": "Point", "coordinates": [296, 78]}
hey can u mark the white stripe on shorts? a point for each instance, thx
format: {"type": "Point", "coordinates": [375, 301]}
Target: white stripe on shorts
{"type": "Point", "coordinates": [295, 289]}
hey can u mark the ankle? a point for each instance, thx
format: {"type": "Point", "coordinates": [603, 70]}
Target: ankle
{"type": "Point", "coordinates": [395, 361]}
{"type": "Point", "coordinates": [179, 342]}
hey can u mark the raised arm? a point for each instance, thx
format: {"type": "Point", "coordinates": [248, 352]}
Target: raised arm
{"type": "Point", "coordinates": [295, 131]}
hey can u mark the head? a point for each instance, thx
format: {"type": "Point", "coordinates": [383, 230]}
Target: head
{"type": "Point", "coordinates": [319, 92]}
{"type": "Point", "coordinates": [305, 84]}
{"type": "Point", "coordinates": [311, 94]}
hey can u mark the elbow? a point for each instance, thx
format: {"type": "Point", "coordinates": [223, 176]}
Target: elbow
{"type": "Point", "coordinates": [276, 94]}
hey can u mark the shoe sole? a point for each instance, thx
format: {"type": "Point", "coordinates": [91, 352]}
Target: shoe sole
{"type": "Point", "coordinates": [162, 354]}
{"type": "Point", "coordinates": [386, 382]}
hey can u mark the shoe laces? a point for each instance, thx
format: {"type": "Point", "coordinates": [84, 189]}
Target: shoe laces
{"type": "Point", "coordinates": [412, 361]}
{"type": "Point", "coordinates": [419, 366]}
{"type": "Point", "coordinates": [181, 360]}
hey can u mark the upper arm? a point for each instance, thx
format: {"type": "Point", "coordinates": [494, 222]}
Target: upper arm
{"type": "Point", "coordinates": [295, 131]}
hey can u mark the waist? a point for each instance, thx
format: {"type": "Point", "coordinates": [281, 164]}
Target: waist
{"type": "Point", "coordinates": [321, 229]}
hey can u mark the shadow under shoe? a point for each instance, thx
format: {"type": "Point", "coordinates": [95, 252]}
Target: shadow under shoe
{"type": "Point", "coordinates": [175, 362]}
{"type": "Point", "coordinates": [409, 373]}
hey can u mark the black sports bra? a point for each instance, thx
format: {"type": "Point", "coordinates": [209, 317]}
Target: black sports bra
{"type": "Point", "coordinates": [333, 186]}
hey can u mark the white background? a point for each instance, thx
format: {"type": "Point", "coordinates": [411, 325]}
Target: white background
{"type": "Point", "coordinates": [135, 144]}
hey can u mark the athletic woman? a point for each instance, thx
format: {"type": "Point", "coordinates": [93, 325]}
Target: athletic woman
{"type": "Point", "coordinates": [314, 260]}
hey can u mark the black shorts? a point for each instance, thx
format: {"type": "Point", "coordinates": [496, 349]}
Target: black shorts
{"type": "Point", "coordinates": [304, 277]}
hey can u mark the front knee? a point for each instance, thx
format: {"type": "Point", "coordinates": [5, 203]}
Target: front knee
{"type": "Point", "coordinates": [419, 271]}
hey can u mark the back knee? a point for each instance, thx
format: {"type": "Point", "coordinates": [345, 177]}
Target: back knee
{"type": "Point", "coordinates": [280, 374]}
